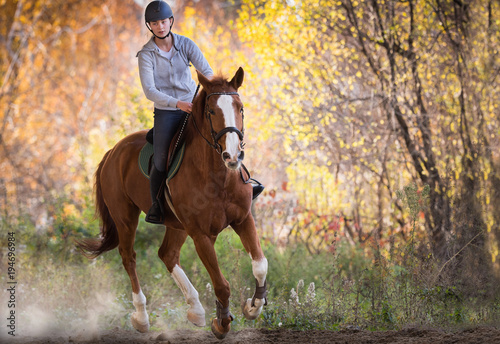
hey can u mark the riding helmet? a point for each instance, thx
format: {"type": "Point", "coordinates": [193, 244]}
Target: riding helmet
{"type": "Point", "coordinates": [157, 10]}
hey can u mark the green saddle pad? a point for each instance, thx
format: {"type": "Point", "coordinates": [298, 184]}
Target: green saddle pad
{"type": "Point", "coordinates": [146, 154]}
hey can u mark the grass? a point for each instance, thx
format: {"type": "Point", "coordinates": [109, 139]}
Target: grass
{"type": "Point", "coordinates": [362, 287]}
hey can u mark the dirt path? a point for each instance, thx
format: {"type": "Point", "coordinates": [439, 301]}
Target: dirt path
{"type": "Point", "coordinates": [479, 335]}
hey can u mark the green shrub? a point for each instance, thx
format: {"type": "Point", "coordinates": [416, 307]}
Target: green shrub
{"type": "Point", "coordinates": [365, 286]}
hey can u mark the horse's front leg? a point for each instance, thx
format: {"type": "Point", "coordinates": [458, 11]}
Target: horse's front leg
{"type": "Point", "coordinates": [205, 249]}
{"type": "Point", "coordinates": [248, 234]}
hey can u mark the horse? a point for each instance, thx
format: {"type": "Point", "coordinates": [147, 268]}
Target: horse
{"type": "Point", "coordinates": [209, 193]}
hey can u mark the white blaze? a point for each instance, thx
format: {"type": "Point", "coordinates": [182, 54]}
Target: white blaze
{"type": "Point", "coordinates": [225, 103]}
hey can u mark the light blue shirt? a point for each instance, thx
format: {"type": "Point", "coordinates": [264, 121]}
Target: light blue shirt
{"type": "Point", "coordinates": [166, 80]}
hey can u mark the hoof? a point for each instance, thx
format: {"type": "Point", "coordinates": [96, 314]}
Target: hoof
{"type": "Point", "coordinates": [197, 317]}
{"type": "Point", "coordinates": [141, 327]}
{"type": "Point", "coordinates": [219, 331]}
{"type": "Point", "coordinates": [251, 313]}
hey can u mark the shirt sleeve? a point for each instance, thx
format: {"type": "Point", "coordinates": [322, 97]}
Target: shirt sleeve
{"type": "Point", "coordinates": [146, 73]}
{"type": "Point", "coordinates": [198, 60]}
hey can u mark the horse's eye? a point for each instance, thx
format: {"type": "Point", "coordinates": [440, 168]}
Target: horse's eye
{"type": "Point", "coordinates": [211, 112]}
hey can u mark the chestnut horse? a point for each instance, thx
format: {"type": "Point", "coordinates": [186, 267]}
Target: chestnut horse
{"type": "Point", "coordinates": [208, 194]}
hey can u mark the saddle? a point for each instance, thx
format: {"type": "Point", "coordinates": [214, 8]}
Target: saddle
{"type": "Point", "coordinates": [174, 157]}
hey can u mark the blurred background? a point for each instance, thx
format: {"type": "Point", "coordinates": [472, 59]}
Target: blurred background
{"type": "Point", "coordinates": [374, 125]}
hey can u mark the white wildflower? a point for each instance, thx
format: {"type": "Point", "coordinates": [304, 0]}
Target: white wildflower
{"type": "Point", "coordinates": [294, 297]}
{"type": "Point", "coordinates": [311, 293]}
{"type": "Point", "coordinates": [300, 285]}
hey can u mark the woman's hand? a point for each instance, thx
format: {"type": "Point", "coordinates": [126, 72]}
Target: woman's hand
{"type": "Point", "coordinates": [185, 106]}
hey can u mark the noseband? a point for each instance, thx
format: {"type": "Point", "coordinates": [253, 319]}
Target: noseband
{"type": "Point", "coordinates": [217, 135]}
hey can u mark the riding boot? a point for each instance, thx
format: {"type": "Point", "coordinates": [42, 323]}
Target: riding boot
{"type": "Point", "coordinates": [257, 189]}
{"type": "Point", "coordinates": [156, 212]}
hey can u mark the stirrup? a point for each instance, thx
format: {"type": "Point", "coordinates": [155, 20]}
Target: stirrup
{"type": "Point", "coordinates": [155, 214]}
{"type": "Point", "coordinates": [257, 190]}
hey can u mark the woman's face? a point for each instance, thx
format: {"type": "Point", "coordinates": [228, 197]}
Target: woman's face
{"type": "Point", "coordinates": [161, 27]}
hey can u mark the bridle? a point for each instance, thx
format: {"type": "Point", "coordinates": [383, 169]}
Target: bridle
{"type": "Point", "coordinates": [216, 136]}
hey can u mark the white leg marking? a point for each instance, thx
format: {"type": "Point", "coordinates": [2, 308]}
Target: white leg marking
{"type": "Point", "coordinates": [225, 102]}
{"type": "Point", "coordinates": [196, 312]}
{"type": "Point", "coordinates": [259, 268]}
{"type": "Point", "coordinates": [140, 318]}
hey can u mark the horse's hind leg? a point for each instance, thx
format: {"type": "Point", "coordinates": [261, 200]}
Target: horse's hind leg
{"type": "Point", "coordinates": [126, 225]}
{"type": "Point", "coordinates": [169, 253]}
{"type": "Point", "coordinates": [250, 240]}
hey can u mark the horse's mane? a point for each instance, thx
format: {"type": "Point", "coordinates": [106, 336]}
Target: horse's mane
{"type": "Point", "coordinates": [219, 80]}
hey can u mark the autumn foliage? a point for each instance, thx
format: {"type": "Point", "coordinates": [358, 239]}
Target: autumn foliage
{"type": "Point", "coordinates": [347, 102]}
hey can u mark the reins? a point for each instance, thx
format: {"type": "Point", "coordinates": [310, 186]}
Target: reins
{"type": "Point", "coordinates": [183, 127]}
{"type": "Point", "coordinates": [179, 137]}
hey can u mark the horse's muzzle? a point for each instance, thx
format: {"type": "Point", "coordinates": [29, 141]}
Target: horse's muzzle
{"type": "Point", "coordinates": [233, 163]}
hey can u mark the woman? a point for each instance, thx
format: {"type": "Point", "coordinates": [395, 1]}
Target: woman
{"type": "Point", "coordinates": [166, 80]}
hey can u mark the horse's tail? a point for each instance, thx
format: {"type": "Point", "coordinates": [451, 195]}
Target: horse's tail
{"type": "Point", "coordinates": [92, 248]}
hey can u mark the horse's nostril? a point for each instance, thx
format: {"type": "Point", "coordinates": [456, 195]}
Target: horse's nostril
{"type": "Point", "coordinates": [226, 156]}
{"type": "Point", "coordinates": [241, 156]}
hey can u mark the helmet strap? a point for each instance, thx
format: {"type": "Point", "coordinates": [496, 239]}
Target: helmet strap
{"type": "Point", "coordinates": [169, 31]}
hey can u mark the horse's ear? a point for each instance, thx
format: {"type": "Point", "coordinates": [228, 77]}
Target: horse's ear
{"type": "Point", "coordinates": [202, 79]}
{"type": "Point", "coordinates": [237, 79]}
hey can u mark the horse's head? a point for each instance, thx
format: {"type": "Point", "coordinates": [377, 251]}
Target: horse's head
{"type": "Point", "coordinates": [224, 114]}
